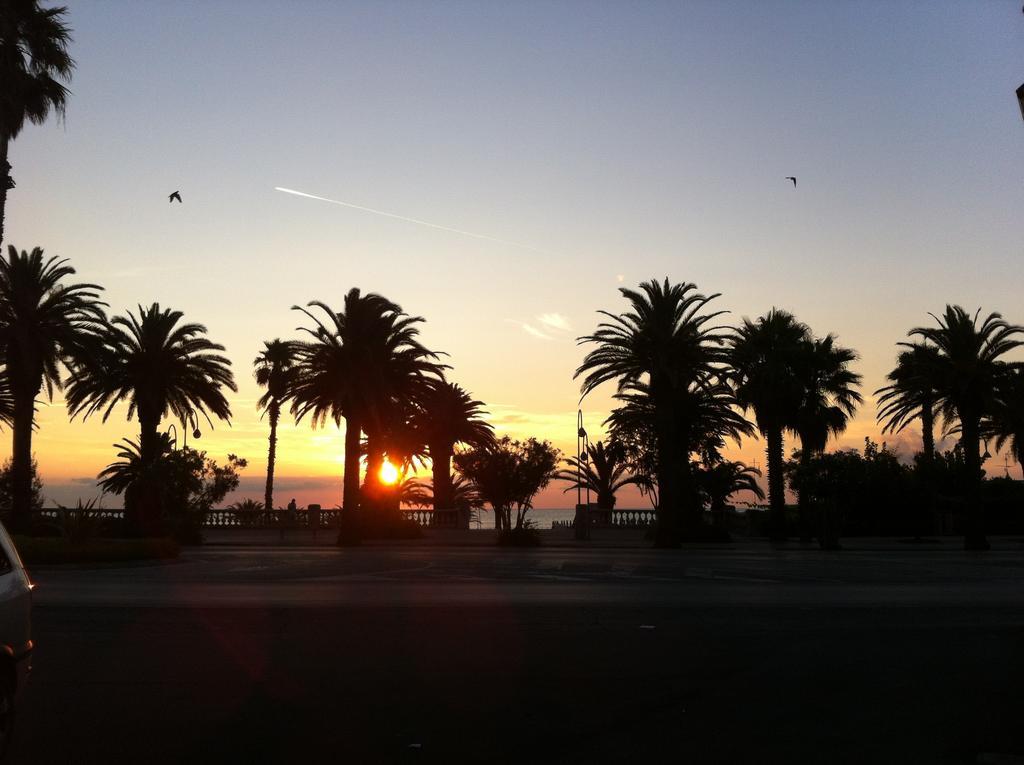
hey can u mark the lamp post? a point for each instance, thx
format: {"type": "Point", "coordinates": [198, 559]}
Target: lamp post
{"type": "Point", "coordinates": [174, 437]}
{"type": "Point", "coordinates": [191, 420]}
{"type": "Point", "coordinates": [582, 522]}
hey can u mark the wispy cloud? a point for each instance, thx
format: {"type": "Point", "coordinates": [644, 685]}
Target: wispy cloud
{"type": "Point", "coordinates": [545, 326]}
{"type": "Point", "coordinates": [555, 321]}
{"type": "Point", "coordinates": [529, 329]}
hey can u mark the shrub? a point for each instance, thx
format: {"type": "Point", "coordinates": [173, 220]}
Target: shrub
{"type": "Point", "coordinates": [523, 536]}
{"type": "Point", "coordinates": [47, 551]}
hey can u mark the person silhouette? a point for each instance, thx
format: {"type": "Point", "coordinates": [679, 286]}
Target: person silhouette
{"type": "Point", "coordinates": [292, 507]}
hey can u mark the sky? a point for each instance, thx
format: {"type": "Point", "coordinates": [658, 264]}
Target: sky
{"type": "Point", "coordinates": [602, 143]}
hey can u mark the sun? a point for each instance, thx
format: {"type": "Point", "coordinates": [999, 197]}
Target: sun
{"type": "Point", "coordinates": [388, 473]}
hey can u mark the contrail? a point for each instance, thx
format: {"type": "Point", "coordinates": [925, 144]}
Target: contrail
{"type": "Point", "coordinates": [415, 220]}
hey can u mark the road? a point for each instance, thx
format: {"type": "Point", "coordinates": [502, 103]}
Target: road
{"type": "Point", "coordinates": [550, 655]}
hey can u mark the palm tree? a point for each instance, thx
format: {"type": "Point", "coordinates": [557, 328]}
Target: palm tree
{"type": "Point", "coordinates": [275, 371]}
{"type": "Point", "coordinates": [765, 360]}
{"type": "Point", "coordinates": [911, 395]}
{"type": "Point", "coordinates": [602, 470]}
{"type": "Point", "coordinates": [720, 480]}
{"type": "Point", "coordinates": [1005, 424]}
{"type": "Point", "coordinates": [359, 362]}
{"type": "Point", "coordinates": [706, 416]}
{"type": "Point", "coordinates": [130, 469]}
{"type": "Point", "coordinates": [159, 367]}
{"type": "Point", "coordinates": [34, 67]}
{"type": "Point", "coordinates": [447, 416]}
{"type": "Point", "coordinates": [666, 342]}
{"type": "Point", "coordinates": [967, 374]}
{"type": "Point", "coordinates": [827, 403]}
{"type": "Point", "coordinates": [43, 323]}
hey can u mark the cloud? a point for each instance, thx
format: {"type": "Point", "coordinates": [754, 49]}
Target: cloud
{"type": "Point", "coordinates": [545, 326]}
{"type": "Point", "coordinates": [555, 321]}
{"type": "Point", "coordinates": [529, 329]}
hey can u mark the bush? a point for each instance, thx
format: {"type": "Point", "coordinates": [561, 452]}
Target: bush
{"type": "Point", "coordinates": [47, 550]}
{"type": "Point", "coordinates": [526, 536]}
{"type": "Point", "coordinates": [376, 524]}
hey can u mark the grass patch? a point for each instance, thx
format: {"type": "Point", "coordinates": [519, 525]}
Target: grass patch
{"type": "Point", "coordinates": [49, 550]}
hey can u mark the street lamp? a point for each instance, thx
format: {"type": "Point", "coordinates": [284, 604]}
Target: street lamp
{"type": "Point", "coordinates": [174, 437]}
{"type": "Point", "coordinates": [191, 420]}
{"type": "Point", "coordinates": [582, 523]}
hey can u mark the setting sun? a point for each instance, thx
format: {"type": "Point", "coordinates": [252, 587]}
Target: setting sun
{"type": "Point", "coordinates": [388, 473]}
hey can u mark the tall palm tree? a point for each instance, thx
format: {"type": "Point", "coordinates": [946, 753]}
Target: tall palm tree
{"type": "Point", "coordinates": [911, 394]}
{"type": "Point", "coordinates": [44, 322]}
{"type": "Point", "coordinates": [275, 371]}
{"type": "Point", "coordinates": [159, 367]}
{"type": "Point", "coordinates": [603, 471]}
{"type": "Point", "coordinates": [668, 343]}
{"type": "Point", "coordinates": [359, 362]}
{"type": "Point", "coordinates": [765, 360]}
{"type": "Point", "coordinates": [827, 403]}
{"type": "Point", "coordinates": [34, 67]}
{"type": "Point", "coordinates": [967, 373]}
{"type": "Point", "coordinates": [447, 416]}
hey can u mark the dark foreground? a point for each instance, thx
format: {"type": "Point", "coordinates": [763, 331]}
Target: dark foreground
{"type": "Point", "coordinates": [548, 656]}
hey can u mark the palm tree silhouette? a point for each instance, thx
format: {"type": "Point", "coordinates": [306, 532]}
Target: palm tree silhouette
{"type": "Point", "coordinates": [968, 370]}
{"type": "Point", "coordinates": [667, 344]}
{"type": "Point", "coordinates": [6, 397]}
{"type": "Point", "coordinates": [1005, 424]}
{"type": "Point", "coordinates": [359, 362]}
{"type": "Point", "coordinates": [911, 395]}
{"type": "Point", "coordinates": [275, 371]}
{"type": "Point", "coordinates": [130, 469]}
{"type": "Point", "coordinates": [603, 472]}
{"type": "Point", "coordinates": [765, 360]}
{"type": "Point", "coordinates": [706, 417]}
{"type": "Point", "coordinates": [827, 403]}
{"type": "Point", "coordinates": [158, 367]}
{"type": "Point", "coordinates": [43, 323]}
{"type": "Point", "coordinates": [34, 67]}
{"type": "Point", "coordinates": [720, 480]}
{"type": "Point", "coordinates": [447, 415]}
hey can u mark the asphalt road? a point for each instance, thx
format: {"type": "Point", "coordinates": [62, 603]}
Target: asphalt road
{"type": "Point", "coordinates": [551, 655]}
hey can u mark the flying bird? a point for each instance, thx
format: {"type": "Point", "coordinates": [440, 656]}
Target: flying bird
{"type": "Point", "coordinates": [788, 178]}
{"type": "Point", "coordinates": [174, 196]}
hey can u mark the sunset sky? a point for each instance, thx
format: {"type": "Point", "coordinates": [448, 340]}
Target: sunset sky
{"type": "Point", "coordinates": [617, 141]}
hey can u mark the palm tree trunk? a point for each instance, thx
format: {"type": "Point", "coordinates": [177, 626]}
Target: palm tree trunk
{"type": "Point", "coordinates": [6, 183]}
{"type": "Point", "coordinates": [927, 431]}
{"type": "Point", "coordinates": [268, 495]}
{"type": "Point", "coordinates": [149, 436]}
{"type": "Point", "coordinates": [372, 489]}
{"type": "Point", "coordinates": [667, 531]}
{"type": "Point", "coordinates": [142, 513]}
{"type": "Point", "coordinates": [21, 464]}
{"type": "Point", "coordinates": [803, 503]}
{"type": "Point", "coordinates": [350, 486]}
{"type": "Point", "coordinates": [776, 486]}
{"type": "Point", "coordinates": [441, 462]}
{"type": "Point", "coordinates": [927, 465]}
{"type": "Point", "coordinates": [974, 522]}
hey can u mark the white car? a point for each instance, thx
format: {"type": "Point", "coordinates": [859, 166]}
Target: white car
{"type": "Point", "coordinates": [15, 633]}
